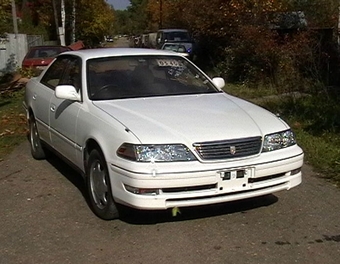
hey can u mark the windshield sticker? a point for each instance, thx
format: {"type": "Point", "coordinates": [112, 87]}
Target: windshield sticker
{"type": "Point", "coordinates": [168, 62]}
{"type": "Point", "coordinates": [176, 72]}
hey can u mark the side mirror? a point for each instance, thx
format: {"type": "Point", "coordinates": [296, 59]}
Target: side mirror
{"type": "Point", "coordinates": [218, 82]}
{"type": "Point", "coordinates": [67, 92]}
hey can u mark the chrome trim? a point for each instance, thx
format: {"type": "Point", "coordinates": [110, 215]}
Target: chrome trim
{"type": "Point", "coordinates": [228, 149]}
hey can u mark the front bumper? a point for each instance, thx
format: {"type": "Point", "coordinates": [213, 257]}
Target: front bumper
{"type": "Point", "coordinates": [221, 182]}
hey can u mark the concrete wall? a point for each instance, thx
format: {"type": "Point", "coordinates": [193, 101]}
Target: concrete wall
{"type": "Point", "coordinates": [13, 49]}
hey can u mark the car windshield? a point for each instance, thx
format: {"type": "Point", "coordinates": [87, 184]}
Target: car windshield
{"type": "Point", "coordinates": [144, 76]}
{"type": "Point", "coordinates": [177, 36]}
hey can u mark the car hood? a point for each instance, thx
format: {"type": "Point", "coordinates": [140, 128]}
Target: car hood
{"type": "Point", "coordinates": [187, 45]}
{"type": "Point", "coordinates": [191, 118]}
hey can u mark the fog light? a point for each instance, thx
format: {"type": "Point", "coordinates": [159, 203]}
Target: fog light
{"type": "Point", "coordinates": [142, 191]}
{"type": "Point", "coordinates": [296, 171]}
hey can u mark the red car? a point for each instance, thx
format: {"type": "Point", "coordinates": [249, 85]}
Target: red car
{"type": "Point", "coordinates": [39, 57]}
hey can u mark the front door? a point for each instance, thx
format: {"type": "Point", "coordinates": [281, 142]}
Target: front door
{"type": "Point", "coordinates": [64, 113]}
{"type": "Point", "coordinates": [63, 120]}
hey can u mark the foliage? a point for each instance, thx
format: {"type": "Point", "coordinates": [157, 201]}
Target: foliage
{"type": "Point", "coordinates": [28, 72]}
{"type": "Point", "coordinates": [322, 152]}
{"type": "Point", "coordinates": [319, 13]}
{"type": "Point", "coordinates": [250, 94]}
{"type": "Point", "coordinates": [122, 23]}
{"type": "Point", "coordinates": [298, 61]}
{"type": "Point", "coordinates": [138, 15]}
{"type": "Point", "coordinates": [315, 120]}
{"type": "Point", "coordinates": [94, 19]}
{"type": "Point", "coordinates": [5, 16]}
{"type": "Point", "coordinates": [36, 18]}
{"type": "Point", "coordinates": [252, 56]}
{"type": "Point", "coordinates": [13, 129]}
{"type": "Point", "coordinates": [319, 113]}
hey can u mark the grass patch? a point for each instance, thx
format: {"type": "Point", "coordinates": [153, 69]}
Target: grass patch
{"type": "Point", "coordinates": [244, 92]}
{"type": "Point", "coordinates": [315, 121]}
{"type": "Point", "coordinates": [13, 128]}
{"type": "Point", "coordinates": [322, 152]}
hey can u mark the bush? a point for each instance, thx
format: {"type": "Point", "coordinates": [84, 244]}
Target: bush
{"type": "Point", "coordinates": [294, 61]}
{"type": "Point", "coordinates": [252, 57]}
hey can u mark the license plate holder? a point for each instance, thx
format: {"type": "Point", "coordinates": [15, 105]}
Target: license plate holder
{"type": "Point", "coordinates": [234, 179]}
{"type": "Point", "coordinates": [233, 174]}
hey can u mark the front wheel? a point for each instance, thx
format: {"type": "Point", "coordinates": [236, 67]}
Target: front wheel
{"type": "Point", "coordinates": [99, 188]}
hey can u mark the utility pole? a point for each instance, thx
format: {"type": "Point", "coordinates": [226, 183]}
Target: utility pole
{"type": "Point", "coordinates": [15, 28]}
{"type": "Point", "coordinates": [56, 20]}
{"type": "Point", "coordinates": [15, 21]}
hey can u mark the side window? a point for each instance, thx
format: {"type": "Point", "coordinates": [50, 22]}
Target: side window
{"type": "Point", "coordinates": [72, 74]}
{"type": "Point", "coordinates": [54, 74]}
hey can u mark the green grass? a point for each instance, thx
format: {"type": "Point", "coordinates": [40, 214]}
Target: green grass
{"type": "Point", "coordinates": [13, 128]}
{"type": "Point", "coordinates": [244, 92]}
{"type": "Point", "coordinates": [315, 121]}
{"type": "Point", "coordinates": [322, 152]}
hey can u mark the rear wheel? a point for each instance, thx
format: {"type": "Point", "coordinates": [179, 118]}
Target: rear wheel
{"type": "Point", "coordinates": [37, 149]}
{"type": "Point", "coordinates": [99, 187]}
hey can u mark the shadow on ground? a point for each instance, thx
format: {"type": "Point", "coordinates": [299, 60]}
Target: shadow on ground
{"type": "Point", "coordinates": [142, 217]}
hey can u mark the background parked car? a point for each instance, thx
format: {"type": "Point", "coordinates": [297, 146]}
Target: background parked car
{"type": "Point", "coordinates": [39, 57]}
{"type": "Point", "coordinates": [176, 47]}
{"type": "Point", "coordinates": [108, 38]}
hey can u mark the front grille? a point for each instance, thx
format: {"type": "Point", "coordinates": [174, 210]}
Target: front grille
{"type": "Point", "coordinates": [229, 149]}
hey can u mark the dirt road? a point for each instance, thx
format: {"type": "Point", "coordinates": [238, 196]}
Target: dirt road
{"type": "Point", "coordinates": [45, 219]}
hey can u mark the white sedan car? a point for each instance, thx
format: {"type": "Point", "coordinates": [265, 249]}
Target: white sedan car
{"type": "Point", "coordinates": [150, 130]}
{"type": "Point", "coordinates": [176, 47]}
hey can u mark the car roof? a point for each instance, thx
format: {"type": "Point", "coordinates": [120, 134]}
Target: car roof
{"type": "Point", "coordinates": [173, 29]}
{"type": "Point", "coordinates": [86, 54]}
{"type": "Point", "coordinates": [49, 46]}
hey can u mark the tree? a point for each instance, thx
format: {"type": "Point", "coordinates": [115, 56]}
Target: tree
{"type": "Point", "coordinates": [5, 16]}
{"type": "Point", "coordinates": [122, 22]}
{"type": "Point", "coordinates": [94, 19]}
{"type": "Point", "coordinates": [139, 16]}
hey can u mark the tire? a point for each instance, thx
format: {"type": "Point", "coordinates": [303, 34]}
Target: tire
{"type": "Point", "coordinates": [37, 149]}
{"type": "Point", "coordinates": [99, 187]}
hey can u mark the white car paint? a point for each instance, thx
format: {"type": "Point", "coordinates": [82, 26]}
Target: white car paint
{"type": "Point", "coordinates": [68, 124]}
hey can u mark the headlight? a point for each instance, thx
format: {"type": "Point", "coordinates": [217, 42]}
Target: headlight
{"type": "Point", "coordinates": [155, 153]}
{"type": "Point", "coordinates": [278, 140]}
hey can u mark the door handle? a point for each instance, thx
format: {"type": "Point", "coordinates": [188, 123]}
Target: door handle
{"type": "Point", "coordinates": [52, 108]}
